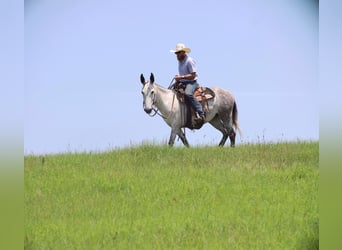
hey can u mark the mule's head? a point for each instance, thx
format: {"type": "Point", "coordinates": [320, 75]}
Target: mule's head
{"type": "Point", "coordinates": [148, 93]}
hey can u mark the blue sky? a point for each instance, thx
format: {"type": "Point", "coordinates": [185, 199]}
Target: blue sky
{"type": "Point", "coordinates": [83, 60]}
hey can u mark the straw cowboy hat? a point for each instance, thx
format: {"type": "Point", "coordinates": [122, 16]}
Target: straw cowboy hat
{"type": "Point", "coordinates": [181, 47]}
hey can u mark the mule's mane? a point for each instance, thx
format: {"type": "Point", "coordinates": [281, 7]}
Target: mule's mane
{"type": "Point", "coordinates": [163, 89]}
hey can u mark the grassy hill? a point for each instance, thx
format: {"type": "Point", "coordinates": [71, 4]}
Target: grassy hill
{"type": "Point", "coordinates": [149, 196]}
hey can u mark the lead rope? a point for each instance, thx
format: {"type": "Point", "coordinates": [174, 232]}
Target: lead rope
{"type": "Point", "coordinates": [183, 109]}
{"type": "Point", "coordinates": [183, 115]}
{"type": "Point", "coordinates": [184, 119]}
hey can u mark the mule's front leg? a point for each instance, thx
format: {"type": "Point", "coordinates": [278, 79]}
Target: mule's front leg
{"type": "Point", "coordinates": [181, 135]}
{"type": "Point", "coordinates": [172, 137]}
{"type": "Point", "coordinates": [183, 138]}
{"type": "Point", "coordinates": [223, 140]}
{"type": "Point", "coordinates": [232, 138]}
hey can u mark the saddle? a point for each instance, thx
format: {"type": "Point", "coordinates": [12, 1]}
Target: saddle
{"type": "Point", "coordinates": [202, 94]}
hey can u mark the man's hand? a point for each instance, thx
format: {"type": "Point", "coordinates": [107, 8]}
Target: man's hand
{"type": "Point", "coordinates": [178, 78]}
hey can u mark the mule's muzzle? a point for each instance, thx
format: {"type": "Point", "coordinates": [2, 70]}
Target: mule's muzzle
{"type": "Point", "coordinates": [148, 110]}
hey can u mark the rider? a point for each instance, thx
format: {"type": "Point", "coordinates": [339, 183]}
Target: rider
{"type": "Point", "coordinates": [188, 77]}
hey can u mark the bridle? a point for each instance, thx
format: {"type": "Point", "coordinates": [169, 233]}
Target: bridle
{"type": "Point", "coordinates": [155, 109]}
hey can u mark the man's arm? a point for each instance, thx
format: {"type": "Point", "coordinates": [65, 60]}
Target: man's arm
{"type": "Point", "coordinates": [190, 76]}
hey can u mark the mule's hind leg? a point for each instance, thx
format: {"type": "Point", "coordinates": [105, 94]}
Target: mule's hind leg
{"type": "Point", "coordinates": [232, 135]}
{"type": "Point", "coordinates": [217, 123]}
{"type": "Point", "coordinates": [223, 140]}
{"type": "Point", "coordinates": [224, 124]}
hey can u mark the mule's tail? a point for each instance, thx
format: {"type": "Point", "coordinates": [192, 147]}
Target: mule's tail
{"type": "Point", "coordinates": [235, 119]}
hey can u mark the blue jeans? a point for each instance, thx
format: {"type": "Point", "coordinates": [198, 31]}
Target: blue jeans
{"type": "Point", "coordinates": [190, 88]}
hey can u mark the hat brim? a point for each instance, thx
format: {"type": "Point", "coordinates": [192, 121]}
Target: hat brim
{"type": "Point", "coordinates": [186, 50]}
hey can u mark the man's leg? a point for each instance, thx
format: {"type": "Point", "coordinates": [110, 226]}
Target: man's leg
{"type": "Point", "coordinates": [189, 92]}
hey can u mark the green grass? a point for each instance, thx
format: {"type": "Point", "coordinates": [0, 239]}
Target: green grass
{"type": "Point", "coordinates": [262, 196]}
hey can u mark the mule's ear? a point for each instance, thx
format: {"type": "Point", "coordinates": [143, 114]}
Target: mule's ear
{"type": "Point", "coordinates": [142, 79]}
{"type": "Point", "coordinates": [152, 78]}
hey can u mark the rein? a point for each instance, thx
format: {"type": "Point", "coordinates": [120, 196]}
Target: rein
{"type": "Point", "coordinates": [171, 86]}
{"type": "Point", "coordinates": [155, 109]}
